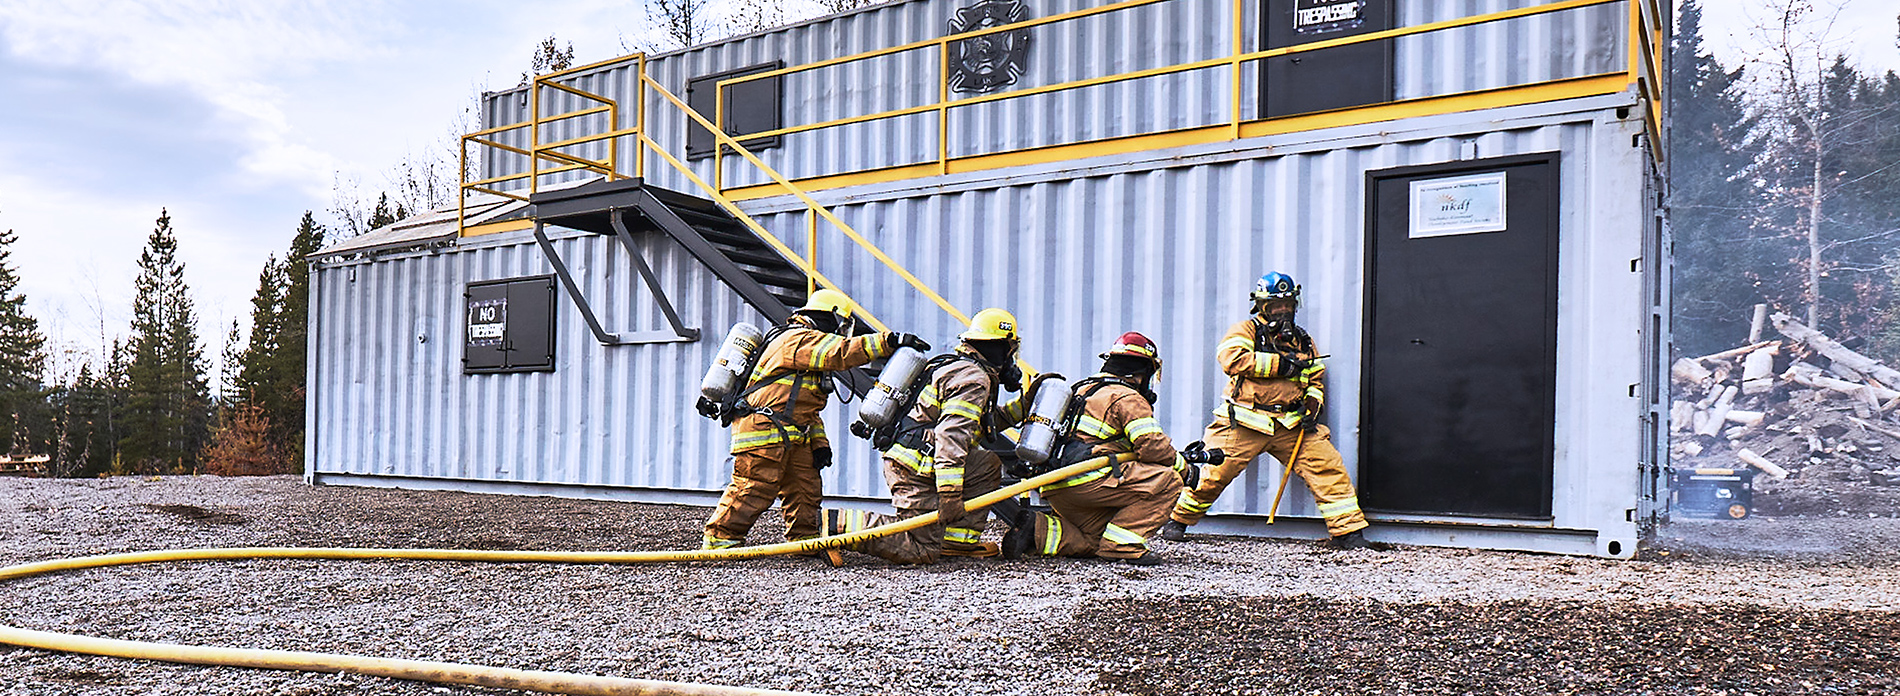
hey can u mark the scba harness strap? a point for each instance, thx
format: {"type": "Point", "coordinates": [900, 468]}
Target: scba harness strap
{"type": "Point", "coordinates": [1265, 341]}
{"type": "Point", "coordinates": [737, 404]}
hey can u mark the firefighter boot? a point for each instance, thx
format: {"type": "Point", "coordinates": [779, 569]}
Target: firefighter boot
{"type": "Point", "coordinates": [1021, 535]}
{"type": "Point", "coordinates": [1349, 541]}
{"type": "Point", "coordinates": [1147, 558]}
{"type": "Point", "coordinates": [1174, 531]}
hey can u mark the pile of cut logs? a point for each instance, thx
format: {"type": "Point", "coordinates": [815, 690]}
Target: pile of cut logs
{"type": "Point", "coordinates": [1808, 388]}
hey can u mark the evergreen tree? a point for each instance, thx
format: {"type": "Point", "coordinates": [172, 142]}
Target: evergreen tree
{"type": "Point", "coordinates": [1723, 266]}
{"type": "Point", "coordinates": [242, 446]}
{"type": "Point", "coordinates": [167, 412]}
{"type": "Point", "coordinates": [22, 364]}
{"type": "Point", "coordinates": [254, 361]}
{"type": "Point", "coordinates": [114, 387]}
{"type": "Point", "coordinates": [228, 394]}
{"type": "Point", "coordinates": [81, 423]}
{"type": "Point", "coordinates": [271, 373]}
{"type": "Point", "coordinates": [385, 213]}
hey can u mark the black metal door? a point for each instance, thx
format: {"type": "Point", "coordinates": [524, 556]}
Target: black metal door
{"type": "Point", "coordinates": [1459, 401]}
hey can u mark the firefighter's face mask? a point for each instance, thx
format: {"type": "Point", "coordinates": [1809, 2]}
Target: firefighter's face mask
{"type": "Point", "coordinates": [1278, 312]}
{"type": "Point", "coordinates": [1151, 383]}
{"type": "Point", "coordinates": [831, 322]}
{"type": "Point", "coordinates": [1001, 355]}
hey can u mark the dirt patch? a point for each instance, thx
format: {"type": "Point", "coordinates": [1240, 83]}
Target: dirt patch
{"type": "Point", "coordinates": [83, 676]}
{"type": "Point", "coordinates": [198, 514]}
{"type": "Point", "coordinates": [1301, 645]}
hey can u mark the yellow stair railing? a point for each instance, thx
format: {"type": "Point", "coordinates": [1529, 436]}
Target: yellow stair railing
{"type": "Point", "coordinates": [537, 153]}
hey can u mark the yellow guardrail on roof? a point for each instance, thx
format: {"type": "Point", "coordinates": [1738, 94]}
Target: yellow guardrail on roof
{"type": "Point", "coordinates": [1643, 74]}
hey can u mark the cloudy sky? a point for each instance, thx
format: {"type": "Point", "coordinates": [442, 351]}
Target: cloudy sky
{"type": "Point", "coordinates": [238, 115]}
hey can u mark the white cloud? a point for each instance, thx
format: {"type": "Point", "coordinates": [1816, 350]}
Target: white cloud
{"type": "Point", "coordinates": [230, 54]}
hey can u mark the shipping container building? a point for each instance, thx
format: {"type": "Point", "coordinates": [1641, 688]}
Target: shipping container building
{"type": "Point", "coordinates": [1470, 194]}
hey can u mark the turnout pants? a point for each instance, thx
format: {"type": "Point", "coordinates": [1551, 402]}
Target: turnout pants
{"type": "Point", "coordinates": [1108, 517]}
{"type": "Point", "coordinates": [759, 476]}
{"type": "Point", "coordinates": [914, 494]}
{"type": "Point", "coordinates": [1319, 465]}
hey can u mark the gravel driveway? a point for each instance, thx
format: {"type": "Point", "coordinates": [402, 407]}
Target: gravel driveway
{"type": "Point", "coordinates": [1763, 605]}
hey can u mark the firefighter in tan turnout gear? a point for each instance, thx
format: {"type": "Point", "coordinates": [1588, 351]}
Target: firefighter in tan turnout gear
{"type": "Point", "coordinates": [935, 458]}
{"type": "Point", "coordinates": [778, 438]}
{"type": "Point", "coordinates": [1272, 405]}
{"type": "Point", "coordinates": [1111, 512]}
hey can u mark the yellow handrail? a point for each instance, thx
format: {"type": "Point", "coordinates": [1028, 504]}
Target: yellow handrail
{"type": "Point", "coordinates": [1234, 60]}
{"type": "Point", "coordinates": [758, 229]}
{"type": "Point", "coordinates": [538, 152]}
{"type": "Point", "coordinates": [809, 202]}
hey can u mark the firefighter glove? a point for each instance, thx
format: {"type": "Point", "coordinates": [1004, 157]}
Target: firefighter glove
{"type": "Point", "coordinates": [950, 506]}
{"type": "Point", "coordinates": [911, 341]}
{"type": "Point", "coordinates": [821, 458]}
{"type": "Point", "coordinates": [707, 407]}
{"type": "Point", "coordinates": [1191, 475]}
{"type": "Point", "coordinates": [1288, 366]}
{"type": "Point", "coordinates": [1309, 414]}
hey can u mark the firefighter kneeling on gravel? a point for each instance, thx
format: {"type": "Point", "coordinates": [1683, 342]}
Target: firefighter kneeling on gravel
{"type": "Point", "coordinates": [1111, 512]}
{"type": "Point", "coordinates": [935, 459]}
{"type": "Point", "coordinates": [1275, 392]}
{"type": "Point", "coordinates": [778, 439]}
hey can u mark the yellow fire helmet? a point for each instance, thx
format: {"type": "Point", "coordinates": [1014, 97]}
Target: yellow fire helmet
{"type": "Point", "coordinates": [991, 324]}
{"type": "Point", "coordinates": [829, 300]}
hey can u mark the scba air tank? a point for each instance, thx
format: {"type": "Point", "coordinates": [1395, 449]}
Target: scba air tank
{"type": "Point", "coordinates": [724, 377]}
{"type": "Point", "coordinates": [1038, 439]}
{"type": "Point", "coordinates": [888, 395]}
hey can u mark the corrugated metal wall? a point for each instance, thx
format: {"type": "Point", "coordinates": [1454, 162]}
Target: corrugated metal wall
{"type": "Point", "coordinates": [1572, 43]}
{"type": "Point", "coordinates": [1170, 252]}
{"type": "Point", "coordinates": [389, 397]}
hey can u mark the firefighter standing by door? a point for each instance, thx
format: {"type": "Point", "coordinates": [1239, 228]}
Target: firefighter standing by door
{"type": "Point", "coordinates": [1111, 512]}
{"type": "Point", "coordinates": [937, 459]}
{"type": "Point", "coordinates": [1273, 401]}
{"type": "Point", "coordinates": [778, 438]}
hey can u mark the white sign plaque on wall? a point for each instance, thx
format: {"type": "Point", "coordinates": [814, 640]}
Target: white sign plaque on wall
{"type": "Point", "coordinates": [1458, 205]}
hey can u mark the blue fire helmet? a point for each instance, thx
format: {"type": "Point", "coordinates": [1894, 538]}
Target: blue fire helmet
{"type": "Point", "coordinates": [1275, 286]}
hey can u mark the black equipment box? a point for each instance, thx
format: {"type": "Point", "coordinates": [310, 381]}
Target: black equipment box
{"type": "Point", "coordinates": [1712, 492]}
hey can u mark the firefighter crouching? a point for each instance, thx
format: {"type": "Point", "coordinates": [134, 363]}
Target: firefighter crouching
{"type": "Point", "coordinates": [1111, 512]}
{"type": "Point", "coordinates": [935, 459]}
{"type": "Point", "coordinates": [778, 438]}
{"type": "Point", "coordinates": [1273, 405]}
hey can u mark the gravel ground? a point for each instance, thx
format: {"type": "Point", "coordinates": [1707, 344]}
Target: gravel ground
{"type": "Point", "coordinates": [1763, 605]}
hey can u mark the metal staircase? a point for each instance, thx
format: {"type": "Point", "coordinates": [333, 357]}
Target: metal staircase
{"type": "Point", "coordinates": [736, 256]}
{"type": "Point", "coordinates": [623, 208]}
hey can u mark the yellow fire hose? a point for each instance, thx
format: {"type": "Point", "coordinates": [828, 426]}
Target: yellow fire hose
{"type": "Point", "coordinates": [449, 672]}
